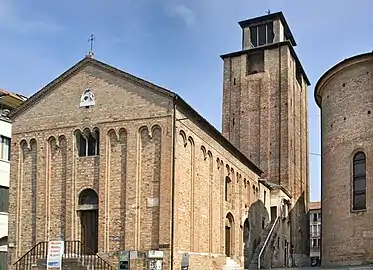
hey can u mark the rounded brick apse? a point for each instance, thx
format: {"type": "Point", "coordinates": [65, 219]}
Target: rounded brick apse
{"type": "Point", "coordinates": [345, 96]}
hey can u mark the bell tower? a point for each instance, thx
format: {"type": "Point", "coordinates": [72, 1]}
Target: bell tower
{"type": "Point", "coordinates": [265, 112]}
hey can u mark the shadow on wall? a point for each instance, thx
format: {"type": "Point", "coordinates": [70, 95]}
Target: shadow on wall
{"type": "Point", "coordinates": [257, 219]}
{"type": "Point", "coordinates": [300, 234]}
{"type": "Point", "coordinates": [288, 244]}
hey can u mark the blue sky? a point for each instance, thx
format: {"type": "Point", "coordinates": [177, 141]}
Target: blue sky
{"type": "Point", "coordinates": [173, 43]}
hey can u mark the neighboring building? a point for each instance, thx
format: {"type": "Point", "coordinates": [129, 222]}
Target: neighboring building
{"type": "Point", "coordinates": [265, 113]}
{"type": "Point", "coordinates": [345, 97]}
{"type": "Point", "coordinates": [8, 102]}
{"type": "Point", "coordinates": [119, 163]}
{"type": "Point", "coordinates": [315, 232]}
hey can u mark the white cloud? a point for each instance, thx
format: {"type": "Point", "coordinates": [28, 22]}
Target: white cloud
{"type": "Point", "coordinates": [183, 12]}
{"type": "Point", "coordinates": [186, 14]}
{"type": "Point", "coordinates": [12, 20]}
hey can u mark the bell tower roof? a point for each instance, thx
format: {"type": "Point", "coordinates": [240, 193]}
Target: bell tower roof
{"type": "Point", "coordinates": [280, 26]}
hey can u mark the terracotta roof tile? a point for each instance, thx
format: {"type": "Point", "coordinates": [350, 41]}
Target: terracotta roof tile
{"type": "Point", "coordinates": [17, 96]}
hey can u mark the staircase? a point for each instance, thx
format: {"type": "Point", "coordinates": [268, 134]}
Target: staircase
{"type": "Point", "coordinates": [231, 265]}
{"type": "Point", "coordinates": [262, 245]}
{"type": "Point", "coordinates": [76, 257]}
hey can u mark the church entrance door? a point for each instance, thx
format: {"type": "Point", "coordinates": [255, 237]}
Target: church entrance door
{"type": "Point", "coordinates": [89, 231]}
{"type": "Point", "coordinates": [246, 241]}
{"type": "Point", "coordinates": [229, 236]}
{"type": "Point", "coordinates": [88, 208]}
{"type": "Point", "coordinates": [227, 241]}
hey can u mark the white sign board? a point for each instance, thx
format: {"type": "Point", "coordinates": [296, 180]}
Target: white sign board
{"type": "Point", "coordinates": [55, 252]}
{"type": "Point", "coordinates": [155, 265]}
{"type": "Point", "coordinates": [154, 254]}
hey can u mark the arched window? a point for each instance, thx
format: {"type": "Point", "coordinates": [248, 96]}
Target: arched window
{"type": "Point", "coordinates": [228, 188]}
{"type": "Point", "coordinates": [88, 143]}
{"type": "Point", "coordinates": [88, 196]}
{"type": "Point", "coordinates": [359, 182]}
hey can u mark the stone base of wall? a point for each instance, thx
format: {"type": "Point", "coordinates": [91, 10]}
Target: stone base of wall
{"type": "Point", "coordinates": [202, 261]}
{"type": "Point", "coordinates": [347, 263]}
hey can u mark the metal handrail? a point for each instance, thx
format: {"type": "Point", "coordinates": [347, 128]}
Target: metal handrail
{"type": "Point", "coordinates": [72, 250]}
{"type": "Point", "coordinates": [267, 239]}
{"type": "Point", "coordinates": [37, 251]}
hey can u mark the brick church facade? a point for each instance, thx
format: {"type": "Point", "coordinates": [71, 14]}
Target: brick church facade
{"type": "Point", "coordinates": [115, 162]}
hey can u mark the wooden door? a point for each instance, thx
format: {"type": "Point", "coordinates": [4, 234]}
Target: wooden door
{"type": "Point", "coordinates": [227, 241]}
{"type": "Point", "coordinates": [89, 230]}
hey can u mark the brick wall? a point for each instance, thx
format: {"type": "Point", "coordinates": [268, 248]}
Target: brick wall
{"type": "Point", "coordinates": [201, 211]}
{"type": "Point", "coordinates": [265, 115]}
{"type": "Point", "coordinates": [131, 175]}
{"type": "Point", "coordinates": [345, 98]}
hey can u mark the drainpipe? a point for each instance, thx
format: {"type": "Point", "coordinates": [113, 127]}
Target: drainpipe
{"type": "Point", "coordinates": [173, 181]}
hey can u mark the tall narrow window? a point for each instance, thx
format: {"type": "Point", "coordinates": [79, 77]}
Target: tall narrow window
{"type": "Point", "coordinates": [228, 188]}
{"type": "Point", "coordinates": [82, 144]}
{"type": "Point", "coordinates": [262, 37]}
{"type": "Point", "coordinates": [359, 179]}
{"type": "Point", "coordinates": [4, 148]}
{"type": "Point", "coordinates": [4, 199]}
{"type": "Point", "coordinates": [270, 34]}
{"type": "Point", "coordinates": [254, 36]}
{"type": "Point", "coordinates": [248, 192]}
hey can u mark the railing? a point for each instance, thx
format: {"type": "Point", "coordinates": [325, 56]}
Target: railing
{"type": "Point", "coordinates": [72, 250]}
{"type": "Point", "coordinates": [267, 239]}
{"type": "Point", "coordinates": [30, 258]}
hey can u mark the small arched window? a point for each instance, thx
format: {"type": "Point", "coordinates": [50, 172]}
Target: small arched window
{"type": "Point", "coordinates": [359, 182]}
{"type": "Point", "coordinates": [88, 196]}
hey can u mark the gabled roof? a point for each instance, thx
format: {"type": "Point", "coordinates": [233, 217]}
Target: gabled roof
{"type": "Point", "coordinates": [196, 117]}
{"type": "Point", "coordinates": [75, 69]}
{"type": "Point", "coordinates": [273, 186]}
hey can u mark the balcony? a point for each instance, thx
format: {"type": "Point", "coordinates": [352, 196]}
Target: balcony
{"type": "Point", "coordinates": [315, 234]}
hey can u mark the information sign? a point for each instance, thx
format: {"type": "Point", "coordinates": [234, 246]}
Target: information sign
{"type": "Point", "coordinates": [55, 252]}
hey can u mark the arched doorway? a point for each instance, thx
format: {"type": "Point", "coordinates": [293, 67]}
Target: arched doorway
{"type": "Point", "coordinates": [229, 235]}
{"type": "Point", "coordinates": [246, 241]}
{"type": "Point", "coordinates": [88, 208]}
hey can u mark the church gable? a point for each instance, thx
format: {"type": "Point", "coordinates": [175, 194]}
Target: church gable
{"type": "Point", "coordinates": [92, 91]}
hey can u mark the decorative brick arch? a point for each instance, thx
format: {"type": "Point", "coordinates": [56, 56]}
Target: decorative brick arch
{"type": "Point", "coordinates": [88, 196]}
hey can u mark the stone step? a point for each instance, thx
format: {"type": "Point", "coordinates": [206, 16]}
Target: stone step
{"type": "Point", "coordinates": [231, 265]}
{"type": "Point", "coordinates": [254, 261]}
